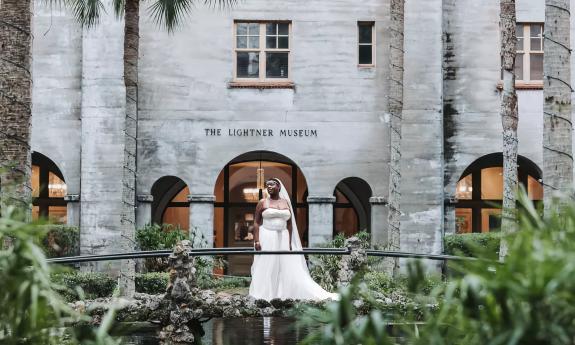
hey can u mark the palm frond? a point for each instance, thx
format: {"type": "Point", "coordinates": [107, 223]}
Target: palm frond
{"type": "Point", "coordinates": [170, 13]}
{"type": "Point", "coordinates": [86, 12]}
{"type": "Point", "coordinates": [119, 7]}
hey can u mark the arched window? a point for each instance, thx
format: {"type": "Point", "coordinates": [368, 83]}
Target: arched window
{"type": "Point", "coordinates": [171, 205]}
{"type": "Point", "coordinates": [48, 190]}
{"type": "Point", "coordinates": [237, 194]}
{"type": "Point", "coordinates": [479, 192]}
{"type": "Point", "coordinates": [351, 211]}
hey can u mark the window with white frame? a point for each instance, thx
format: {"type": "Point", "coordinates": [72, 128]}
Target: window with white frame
{"type": "Point", "coordinates": [366, 43]}
{"type": "Point", "coordinates": [529, 59]}
{"type": "Point", "coordinates": [262, 51]}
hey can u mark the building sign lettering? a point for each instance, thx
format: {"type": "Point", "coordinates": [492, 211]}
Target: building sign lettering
{"type": "Point", "coordinates": [259, 132]}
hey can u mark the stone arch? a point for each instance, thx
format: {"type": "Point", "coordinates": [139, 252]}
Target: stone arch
{"type": "Point", "coordinates": [352, 201]}
{"type": "Point", "coordinates": [49, 190]}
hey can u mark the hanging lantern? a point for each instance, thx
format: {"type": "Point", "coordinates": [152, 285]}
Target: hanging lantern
{"type": "Point", "coordinates": [260, 180]}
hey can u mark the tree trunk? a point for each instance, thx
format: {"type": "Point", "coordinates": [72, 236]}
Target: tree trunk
{"type": "Point", "coordinates": [15, 105]}
{"type": "Point", "coordinates": [131, 46]}
{"type": "Point", "coordinates": [509, 119]}
{"type": "Point", "coordinates": [395, 109]}
{"type": "Point", "coordinates": [557, 137]}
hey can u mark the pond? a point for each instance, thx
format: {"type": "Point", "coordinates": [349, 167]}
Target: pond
{"type": "Point", "coordinates": [236, 331]}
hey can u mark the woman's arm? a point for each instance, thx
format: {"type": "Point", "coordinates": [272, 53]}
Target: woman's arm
{"type": "Point", "coordinates": [257, 223]}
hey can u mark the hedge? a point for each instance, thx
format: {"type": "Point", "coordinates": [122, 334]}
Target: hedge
{"type": "Point", "coordinates": [61, 240]}
{"type": "Point", "coordinates": [474, 244]}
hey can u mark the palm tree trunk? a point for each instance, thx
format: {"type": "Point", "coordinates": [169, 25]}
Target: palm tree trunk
{"type": "Point", "coordinates": [509, 119]}
{"type": "Point", "coordinates": [15, 105]}
{"type": "Point", "coordinates": [395, 109]}
{"type": "Point", "coordinates": [131, 48]}
{"type": "Point", "coordinates": [557, 137]}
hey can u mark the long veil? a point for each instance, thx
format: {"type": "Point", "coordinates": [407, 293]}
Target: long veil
{"type": "Point", "coordinates": [295, 240]}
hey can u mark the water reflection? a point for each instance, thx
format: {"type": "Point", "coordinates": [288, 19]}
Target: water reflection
{"type": "Point", "coordinates": [239, 331]}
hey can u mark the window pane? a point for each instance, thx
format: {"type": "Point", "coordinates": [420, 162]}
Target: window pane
{"type": "Point", "coordinates": [490, 219]}
{"type": "Point", "coordinates": [242, 42]}
{"type": "Point", "coordinates": [365, 31]}
{"type": "Point", "coordinates": [248, 65]}
{"type": "Point", "coordinates": [346, 221]}
{"type": "Point", "coordinates": [178, 217]}
{"type": "Point", "coordinates": [271, 42]}
{"type": "Point", "coordinates": [35, 181]}
{"type": "Point", "coordinates": [536, 66]}
{"type": "Point", "coordinates": [254, 29]}
{"type": "Point", "coordinates": [535, 44]}
{"type": "Point", "coordinates": [520, 43]}
{"type": "Point", "coordinates": [35, 213]}
{"type": "Point", "coordinates": [271, 29]}
{"type": "Point", "coordinates": [365, 56]}
{"type": "Point", "coordinates": [277, 65]}
{"type": "Point", "coordinates": [519, 30]}
{"type": "Point", "coordinates": [254, 42]}
{"type": "Point", "coordinates": [58, 214]}
{"type": "Point", "coordinates": [519, 67]}
{"type": "Point", "coordinates": [56, 187]}
{"type": "Point", "coordinates": [283, 42]}
{"type": "Point", "coordinates": [242, 29]}
{"type": "Point", "coordinates": [535, 30]}
{"type": "Point", "coordinates": [534, 189]}
{"type": "Point", "coordinates": [492, 183]}
{"type": "Point", "coordinates": [463, 220]}
{"type": "Point", "coordinates": [283, 29]}
{"type": "Point", "coordinates": [464, 188]}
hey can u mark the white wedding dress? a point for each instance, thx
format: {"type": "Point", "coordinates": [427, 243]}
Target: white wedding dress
{"type": "Point", "coordinates": [282, 276]}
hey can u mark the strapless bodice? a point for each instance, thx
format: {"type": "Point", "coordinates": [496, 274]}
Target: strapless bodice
{"type": "Point", "coordinates": [275, 219]}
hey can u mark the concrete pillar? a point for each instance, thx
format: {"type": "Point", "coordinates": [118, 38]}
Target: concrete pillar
{"type": "Point", "coordinates": [379, 223]}
{"type": "Point", "coordinates": [202, 216]}
{"type": "Point", "coordinates": [73, 209]}
{"type": "Point", "coordinates": [144, 210]}
{"type": "Point", "coordinates": [320, 219]}
{"type": "Point", "coordinates": [449, 214]}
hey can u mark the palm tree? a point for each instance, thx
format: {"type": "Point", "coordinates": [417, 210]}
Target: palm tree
{"type": "Point", "coordinates": [557, 137]}
{"type": "Point", "coordinates": [15, 104]}
{"type": "Point", "coordinates": [509, 117]}
{"type": "Point", "coordinates": [169, 14]}
{"type": "Point", "coordinates": [396, 55]}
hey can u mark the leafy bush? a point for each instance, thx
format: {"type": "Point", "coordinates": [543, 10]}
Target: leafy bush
{"type": "Point", "coordinates": [152, 283]}
{"type": "Point", "coordinates": [158, 237]}
{"type": "Point", "coordinates": [487, 244]}
{"type": "Point", "coordinates": [92, 285]}
{"type": "Point", "coordinates": [223, 283]}
{"type": "Point", "coordinates": [325, 268]}
{"type": "Point", "coordinates": [61, 240]}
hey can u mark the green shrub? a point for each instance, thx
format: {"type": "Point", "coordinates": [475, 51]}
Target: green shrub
{"type": "Point", "coordinates": [61, 240]}
{"type": "Point", "coordinates": [325, 268]}
{"type": "Point", "coordinates": [485, 244]}
{"type": "Point", "coordinates": [224, 283]}
{"type": "Point", "coordinates": [92, 285]}
{"type": "Point", "coordinates": [152, 283]}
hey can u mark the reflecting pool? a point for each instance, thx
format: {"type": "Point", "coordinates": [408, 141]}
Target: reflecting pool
{"type": "Point", "coordinates": [236, 331]}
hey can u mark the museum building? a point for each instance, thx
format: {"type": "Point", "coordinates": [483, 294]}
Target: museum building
{"type": "Point", "coordinates": [295, 90]}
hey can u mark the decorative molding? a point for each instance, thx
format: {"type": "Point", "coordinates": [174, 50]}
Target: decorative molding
{"type": "Point", "coordinates": [145, 198]}
{"type": "Point", "coordinates": [72, 198]}
{"type": "Point", "coordinates": [201, 198]}
{"type": "Point", "coordinates": [378, 200]}
{"type": "Point", "coordinates": [321, 199]}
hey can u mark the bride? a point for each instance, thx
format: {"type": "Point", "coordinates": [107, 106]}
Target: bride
{"type": "Point", "coordinates": [280, 276]}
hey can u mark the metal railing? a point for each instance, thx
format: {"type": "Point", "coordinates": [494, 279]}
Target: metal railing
{"type": "Point", "coordinates": [250, 251]}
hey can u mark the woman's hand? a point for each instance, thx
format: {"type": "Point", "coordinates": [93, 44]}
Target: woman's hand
{"type": "Point", "coordinates": [257, 246]}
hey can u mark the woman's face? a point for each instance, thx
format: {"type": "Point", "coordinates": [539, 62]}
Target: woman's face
{"type": "Point", "coordinates": [272, 187]}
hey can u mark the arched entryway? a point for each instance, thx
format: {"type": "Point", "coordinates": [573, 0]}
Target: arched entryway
{"type": "Point", "coordinates": [237, 193]}
{"type": "Point", "coordinates": [479, 192]}
{"type": "Point", "coordinates": [351, 210]}
{"type": "Point", "coordinates": [170, 202]}
{"type": "Point", "coordinates": [48, 190]}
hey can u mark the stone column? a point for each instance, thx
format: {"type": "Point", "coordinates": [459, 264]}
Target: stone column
{"type": "Point", "coordinates": [379, 224]}
{"type": "Point", "coordinates": [202, 215]}
{"type": "Point", "coordinates": [144, 210]}
{"type": "Point", "coordinates": [73, 209]}
{"type": "Point", "coordinates": [449, 214]}
{"type": "Point", "coordinates": [320, 219]}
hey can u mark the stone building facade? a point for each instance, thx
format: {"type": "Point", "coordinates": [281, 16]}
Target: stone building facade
{"type": "Point", "coordinates": [296, 89]}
